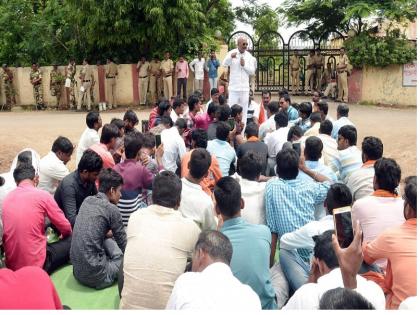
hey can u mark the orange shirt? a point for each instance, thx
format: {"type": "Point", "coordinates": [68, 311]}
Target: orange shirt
{"type": "Point", "coordinates": [208, 182]}
{"type": "Point", "coordinates": [106, 156]}
{"type": "Point", "coordinates": [399, 246]}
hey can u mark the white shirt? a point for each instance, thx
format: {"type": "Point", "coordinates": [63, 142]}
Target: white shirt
{"type": "Point", "coordinates": [343, 121]}
{"type": "Point", "coordinates": [215, 288]}
{"type": "Point", "coordinates": [239, 75]}
{"type": "Point", "coordinates": [329, 151]}
{"type": "Point", "coordinates": [302, 238]}
{"type": "Point", "coordinates": [174, 148]}
{"type": "Point", "coordinates": [89, 137]}
{"type": "Point", "coordinates": [307, 297]}
{"type": "Point", "coordinates": [159, 242]}
{"type": "Point", "coordinates": [267, 126]}
{"type": "Point", "coordinates": [253, 195]}
{"type": "Point", "coordinates": [52, 171]}
{"type": "Point", "coordinates": [197, 67]}
{"type": "Point", "coordinates": [253, 110]}
{"type": "Point", "coordinates": [275, 140]}
{"type": "Point", "coordinates": [197, 205]}
{"type": "Point", "coordinates": [360, 182]}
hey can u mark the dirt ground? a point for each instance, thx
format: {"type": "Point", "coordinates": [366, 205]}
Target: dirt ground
{"type": "Point", "coordinates": [38, 130]}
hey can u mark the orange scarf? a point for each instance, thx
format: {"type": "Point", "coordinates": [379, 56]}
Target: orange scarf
{"type": "Point", "coordinates": [368, 163]}
{"type": "Point", "coordinates": [261, 116]}
{"type": "Point", "coordinates": [383, 193]}
{"type": "Point", "coordinates": [252, 139]}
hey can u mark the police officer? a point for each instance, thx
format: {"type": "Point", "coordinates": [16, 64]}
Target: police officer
{"type": "Point", "coordinates": [319, 61]}
{"type": "Point", "coordinates": [6, 77]}
{"type": "Point", "coordinates": [343, 91]}
{"type": "Point", "coordinates": [143, 69]}
{"type": "Point", "coordinates": [166, 67]}
{"type": "Point", "coordinates": [35, 77]}
{"type": "Point", "coordinates": [310, 70]}
{"type": "Point", "coordinates": [111, 74]}
{"type": "Point", "coordinates": [71, 83]}
{"type": "Point", "coordinates": [56, 83]}
{"type": "Point", "coordinates": [155, 86]}
{"type": "Point", "coordinates": [86, 80]}
{"type": "Point", "coordinates": [294, 69]}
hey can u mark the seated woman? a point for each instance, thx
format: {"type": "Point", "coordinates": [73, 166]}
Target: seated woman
{"type": "Point", "coordinates": [99, 236]}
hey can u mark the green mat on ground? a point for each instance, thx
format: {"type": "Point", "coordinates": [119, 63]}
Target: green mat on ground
{"type": "Point", "coordinates": [80, 297]}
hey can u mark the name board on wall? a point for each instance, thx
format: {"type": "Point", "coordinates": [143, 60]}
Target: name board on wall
{"type": "Point", "coordinates": [410, 74]}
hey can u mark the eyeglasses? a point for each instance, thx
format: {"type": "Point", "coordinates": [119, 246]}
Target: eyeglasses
{"type": "Point", "coordinates": [245, 44]}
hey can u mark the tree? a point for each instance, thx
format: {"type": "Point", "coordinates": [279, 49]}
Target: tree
{"type": "Point", "coordinates": [321, 16]}
{"type": "Point", "coordinates": [54, 30]}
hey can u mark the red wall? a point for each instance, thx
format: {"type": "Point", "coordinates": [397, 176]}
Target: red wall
{"type": "Point", "coordinates": [355, 83]}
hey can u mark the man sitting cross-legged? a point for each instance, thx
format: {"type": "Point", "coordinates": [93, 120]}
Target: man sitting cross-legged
{"type": "Point", "coordinates": [212, 285]}
{"type": "Point", "coordinates": [99, 237]}
{"type": "Point", "coordinates": [159, 241]}
{"type": "Point", "coordinates": [195, 203]}
{"type": "Point", "coordinates": [251, 242]}
{"type": "Point", "coordinates": [24, 212]}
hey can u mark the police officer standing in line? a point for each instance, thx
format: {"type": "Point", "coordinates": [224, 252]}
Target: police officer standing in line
{"type": "Point", "coordinates": [56, 83]}
{"type": "Point", "coordinates": [319, 61]}
{"type": "Point", "coordinates": [342, 65]}
{"type": "Point", "coordinates": [111, 74]}
{"type": "Point", "coordinates": [71, 83]}
{"type": "Point", "coordinates": [143, 68]}
{"type": "Point", "coordinates": [294, 69]}
{"type": "Point", "coordinates": [35, 77]}
{"type": "Point", "coordinates": [310, 71]}
{"type": "Point", "coordinates": [167, 67]}
{"type": "Point", "coordinates": [86, 80]}
{"type": "Point", "coordinates": [155, 86]}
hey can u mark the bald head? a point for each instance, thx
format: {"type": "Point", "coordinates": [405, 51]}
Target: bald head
{"type": "Point", "coordinates": [242, 44]}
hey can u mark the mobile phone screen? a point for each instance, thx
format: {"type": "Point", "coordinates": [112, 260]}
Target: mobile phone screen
{"type": "Point", "coordinates": [231, 122]}
{"type": "Point", "coordinates": [343, 226]}
{"type": "Point", "coordinates": [158, 140]}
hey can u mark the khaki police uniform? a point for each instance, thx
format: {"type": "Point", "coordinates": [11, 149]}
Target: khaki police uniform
{"type": "Point", "coordinates": [111, 84]}
{"type": "Point", "coordinates": [343, 90]}
{"type": "Point", "coordinates": [6, 77]}
{"type": "Point", "coordinates": [155, 86]}
{"type": "Point", "coordinates": [86, 78]}
{"type": "Point", "coordinates": [319, 60]}
{"type": "Point", "coordinates": [167, 66]}
{"type": "Point", "coordinates": [71, 85]}
{"type": "Point", "coordinates": [56, 84]}
{"type": "Point", "coordinates": [294, 68]}
{"type": "Point", "coordinates": [143, 70]}
{"type": "Point", "coordinates": [310, 66]}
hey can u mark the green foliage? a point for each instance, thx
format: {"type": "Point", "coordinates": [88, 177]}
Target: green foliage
{"type": "Point", "coordinates": [365, 49]}
{"type": "Point", "coordinates": [53, 30]}
{"type": "Point", "coordinates": [320, 16]}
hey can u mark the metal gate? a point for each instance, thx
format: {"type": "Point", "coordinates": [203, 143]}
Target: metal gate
{"type": "Point", "coordinates": [273, 55]}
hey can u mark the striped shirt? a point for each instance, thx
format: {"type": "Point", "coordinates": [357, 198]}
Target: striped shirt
{"type": "Point", "coordinates": [348, 161]}
{"type": "Point", "coordinates": [329, 151]}
{"type": "Point", "coordinates": [290, 204]}
{"type": "Point", "coordinates": [343, 121]}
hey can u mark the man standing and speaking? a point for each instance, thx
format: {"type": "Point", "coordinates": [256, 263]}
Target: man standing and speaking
{"type": "Point", "coordinates": [242, 65]}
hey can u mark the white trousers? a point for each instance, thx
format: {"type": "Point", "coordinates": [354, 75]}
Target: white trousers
{"type": "Point", "coordinates": [241, 98]}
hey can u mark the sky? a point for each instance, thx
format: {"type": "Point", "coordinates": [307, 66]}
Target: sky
{"type": "Point", "coordinates": [285, 32]}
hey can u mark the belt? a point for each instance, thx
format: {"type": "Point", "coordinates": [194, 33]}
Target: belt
{"type": "Point", "coordinates": [110, 77]}
{"type": "Point", "coordinates": [341, 71]}
{"type": "Point", "coordinates": [296, 69]}
{"type": "Point", "coordinates": [169, 75]}
{"type": "Point", "coordinates": [86, 80]}
{"type": "Point", "coordinates": [143, 77]}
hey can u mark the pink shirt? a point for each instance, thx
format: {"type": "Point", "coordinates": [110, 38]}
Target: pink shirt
{"type": "Point", "coordinates": [377, 214]}
{"type": "Point", "coordinates": [202, 121]}
{"type": "Point", "coordinates": [24, 212]}
{"type": "Point", "coordinates": [106, 156]}
{"type": "Point", "coordinates": [183, 74]}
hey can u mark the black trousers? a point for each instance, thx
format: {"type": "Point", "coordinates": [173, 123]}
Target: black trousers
{"type": "Point", "coordinates": [181, 82]}
{"type": "Point", "coordinates": [57, 255]}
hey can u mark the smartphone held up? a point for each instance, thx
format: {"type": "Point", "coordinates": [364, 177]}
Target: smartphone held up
{"type": "Point", "coordinates": [343, 226]}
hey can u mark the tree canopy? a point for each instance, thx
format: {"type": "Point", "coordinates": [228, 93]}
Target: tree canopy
{"type": "Point", "coordinates": [49, 31]}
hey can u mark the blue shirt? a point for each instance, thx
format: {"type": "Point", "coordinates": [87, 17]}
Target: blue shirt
{"type": "Point", "coordinates": [224, 153]}
{"type": "Point", "coordinates": [251, 257]}
{"type": "Point", "coordinates": [290, 204]}
{"type": "Point", "coordinates": [343, 121]}
{"type": "Point", "coordinates": [292, 113]}
{"type": "Point", "coordinates": [213, 65]}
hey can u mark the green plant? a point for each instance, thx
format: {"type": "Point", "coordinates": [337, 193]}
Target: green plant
{"type": "Point", "coordinates": [365, 49]}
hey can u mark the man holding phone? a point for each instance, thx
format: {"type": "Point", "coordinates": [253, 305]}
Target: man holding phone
{"type": "Point", "coordinates": [242, 65]}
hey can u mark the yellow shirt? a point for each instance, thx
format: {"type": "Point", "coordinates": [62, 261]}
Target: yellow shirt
{"type": "Point", "coordinates": [86, 73]}
{"type": "Point", "coordinates": [319, 60]}
{"type": "Point", "coordinates": [342, 61]}
{"type": "Point", "coordinates": [311, 62]}
{"type": "Point", "coordinates": [167, 66]}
